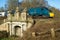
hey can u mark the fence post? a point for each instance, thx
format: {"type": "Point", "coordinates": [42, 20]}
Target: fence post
{"type": "Point", "coordinates": [33, 34]}
{"type": "Point", "coordinates": [52, 33]}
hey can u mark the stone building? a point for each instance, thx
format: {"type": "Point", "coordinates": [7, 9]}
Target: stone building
{"type": "Point", "coordinates": [17, 24]}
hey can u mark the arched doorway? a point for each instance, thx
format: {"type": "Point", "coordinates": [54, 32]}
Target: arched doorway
{"type": "Point", "coordinates": [17, 30]}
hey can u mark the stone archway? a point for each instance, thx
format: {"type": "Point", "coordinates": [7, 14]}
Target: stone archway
{"type": "Point", "coordinates": [17, 30]}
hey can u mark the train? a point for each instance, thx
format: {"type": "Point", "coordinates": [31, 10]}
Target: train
{"type": "Point", "coordinates": [34, 11]}
{"type": "Point", "coordinates": [40, 11]}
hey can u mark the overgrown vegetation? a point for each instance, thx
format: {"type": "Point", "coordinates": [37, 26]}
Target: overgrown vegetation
{"type": "Point", "coordinates": [40, 26]}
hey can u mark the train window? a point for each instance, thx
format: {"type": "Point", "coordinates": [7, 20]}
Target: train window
{"type": "Point", "coordinates": [50, 10]}
{"type": "Point", "coordinates": [0, 14]}
{"type": "Point", "coordinates": [42, 9]}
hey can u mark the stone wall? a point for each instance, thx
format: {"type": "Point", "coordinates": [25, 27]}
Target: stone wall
{"type": "Point", "coordinates": [4, 27]}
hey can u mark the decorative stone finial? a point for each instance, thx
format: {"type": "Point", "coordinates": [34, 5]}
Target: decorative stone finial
{"type": "Point", "coordinates": [17, 9]}
{"type": "Point", "coordinates": [25, 10]}
{"type": "Point", "coordinates": [9, 15]}
{"type": "Point", "coordinates": [24, 15]}
{"type": "Point", "coordinates": [17, 13]}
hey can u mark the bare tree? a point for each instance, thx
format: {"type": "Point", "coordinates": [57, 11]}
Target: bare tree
{"type": "Point", "coordinates": [2, 9]}
{"type": "Point", "coordinates": [12, 4]}
{"type": "Point", "coordinates": [34, 3]}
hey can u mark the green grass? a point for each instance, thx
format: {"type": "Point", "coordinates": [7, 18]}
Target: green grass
{"type": "Point", "coordinates": [10, 38]}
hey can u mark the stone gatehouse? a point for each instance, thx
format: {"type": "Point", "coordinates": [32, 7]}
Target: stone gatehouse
{"type": "Point", "coordinates": [17, 24]}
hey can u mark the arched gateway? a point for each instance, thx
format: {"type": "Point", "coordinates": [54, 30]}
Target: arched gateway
{"type": "Point", "coordinates": [17, 30]}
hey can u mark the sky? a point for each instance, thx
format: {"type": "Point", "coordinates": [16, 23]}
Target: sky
{"type": "Point", "coordinates": [2, 3]}
{"type": "Point", "coordinates": [53, 3]}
